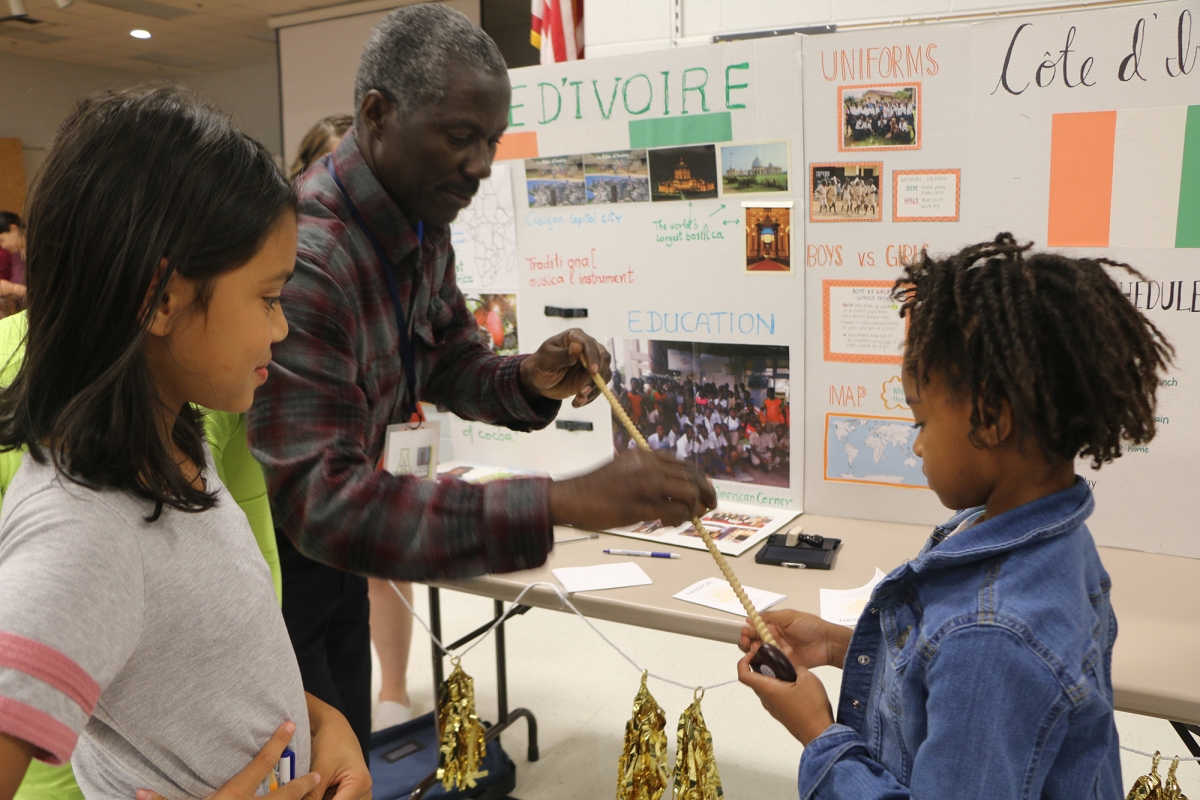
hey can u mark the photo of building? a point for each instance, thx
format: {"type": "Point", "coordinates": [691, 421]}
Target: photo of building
{"type": "Point", "coordinates": [768, 240]}
{"type": "Point", "coordinates": [684, 173]}
{"type": "Point", "coordinates": [683, 181]}
{"type": "Point", "coordinates": [760, 167]}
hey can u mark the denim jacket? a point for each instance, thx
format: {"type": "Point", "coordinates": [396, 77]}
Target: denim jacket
{"type": "Point", "coordinates": [981, 669]}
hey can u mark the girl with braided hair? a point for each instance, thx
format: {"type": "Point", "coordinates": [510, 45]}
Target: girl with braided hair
{"type": "Point", "coordinates": [981, 667]}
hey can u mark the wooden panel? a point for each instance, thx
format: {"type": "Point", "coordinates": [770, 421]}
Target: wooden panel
{"type": "Point", "coordinates": [12, 176]}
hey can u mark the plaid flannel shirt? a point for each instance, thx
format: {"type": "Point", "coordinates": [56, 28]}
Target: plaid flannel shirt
{"type": "Point", "coordinates": [337, 381]}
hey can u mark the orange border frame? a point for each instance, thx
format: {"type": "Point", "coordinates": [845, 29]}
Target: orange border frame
{"type": "Point", "coordinates": [841, 118]}
{"type": "Point", "coordinates": [850, 357]}
{"type": "Point", "coordinates": [878, 209]}
{"type": "Point", "coordinates": [825, 454]}
{"type": "Point", "coordinates": [896, 173]}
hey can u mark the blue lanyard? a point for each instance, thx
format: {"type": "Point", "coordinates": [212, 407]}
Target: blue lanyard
{"type": "Point", "coordinates": [407, 355]}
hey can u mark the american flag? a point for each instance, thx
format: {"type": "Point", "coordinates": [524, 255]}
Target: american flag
{"type": "Point", "coordinates": [557, 29]}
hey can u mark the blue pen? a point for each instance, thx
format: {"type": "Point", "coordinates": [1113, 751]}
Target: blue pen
{"type": "Point", "coordinates": [642, 553]}
{"type": "Point", "coordinates": [285, 772]}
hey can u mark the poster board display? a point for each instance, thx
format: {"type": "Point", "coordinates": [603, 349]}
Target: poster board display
{"type": "Point", "coordinates": [1098, 155]}
{"type": "Point", "coordinates": [880, 104]}
{"type": "Point", "coordinates": [653, 209]}
{"type": "Point", "coordinates": [719, 239]}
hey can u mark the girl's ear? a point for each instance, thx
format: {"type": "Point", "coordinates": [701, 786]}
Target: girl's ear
{"type": "Point", "coordinates": [173, 302]}
{"type": "Point", "coordinates": [1000, 430]}
{"type": "Point", "coordinates": [1004, 422]}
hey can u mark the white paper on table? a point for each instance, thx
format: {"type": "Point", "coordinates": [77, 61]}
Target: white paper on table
{"type": "Point", "coordinates": [844, 606]}
{"type": "Point", "coordinates": [716, 593]}
{"type": "Point", "coordinates": [601, 576]}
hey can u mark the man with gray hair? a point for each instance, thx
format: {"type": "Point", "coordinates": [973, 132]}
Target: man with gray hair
{"type": "Point", "coordinates": [378, 324]}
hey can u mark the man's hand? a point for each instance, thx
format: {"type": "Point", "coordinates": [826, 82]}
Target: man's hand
{"type": "Point", "coordinates": [802, 707]}
{"type": "Point", "coordinates": [244, 785]}
{"type": "Point", "coordinates": [555, 370]}
{"type": "Point", "coordinates": [636, 486]}
{"type": "Point", "coordinates": [336, 755]}
{"type": "Point", "coordinates": [807, 640]}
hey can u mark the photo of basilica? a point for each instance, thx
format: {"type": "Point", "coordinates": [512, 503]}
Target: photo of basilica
{"type": "Point", "coordinates": [760, 167]}
{"type": "Point", "coordinates": [684, 173]}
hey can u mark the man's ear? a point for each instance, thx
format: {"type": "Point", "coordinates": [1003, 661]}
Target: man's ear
{"type": "Point", "coordinates": [374, 110]}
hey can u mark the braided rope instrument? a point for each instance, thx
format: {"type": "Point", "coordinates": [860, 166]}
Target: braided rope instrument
{"type": "Point", "coordinates": [769, 660]}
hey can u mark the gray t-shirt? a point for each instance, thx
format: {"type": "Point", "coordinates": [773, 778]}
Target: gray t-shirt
{"type": "Point", "coordinates": [161, 642]}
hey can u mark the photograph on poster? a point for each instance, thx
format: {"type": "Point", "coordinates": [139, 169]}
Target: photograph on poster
{"type": "Point", "coordinates": [683, 173]}
{"type": "Point", "coordinates": [768, 239]}
{"type": "Point", "coordinates": [881, 117]}
{"type": "Point", "coordinates": [496, 315]}
{"type": "Point", "coordinates": [724, 407]}
{"type": "Point", "coordinates": [731, 538]}
{"type": "Point", "coordinates": [721, 533]}
{"type": "Point", "coordinates": [845, 192]}
{"type": "Point", "coordinates": [619, 177]}
{"type": "Point", "coordinates": [555, 181]}
{"type": "Point", "coordinates": [761, 167]}
{"type": "Point", "coordinates": [873, 450]}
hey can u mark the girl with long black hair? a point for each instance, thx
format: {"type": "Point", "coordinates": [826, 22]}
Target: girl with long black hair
{"type": "Point", "coordinates": [140, 635]}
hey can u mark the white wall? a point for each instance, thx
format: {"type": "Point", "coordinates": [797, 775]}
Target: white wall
{"type": "Point", "coordinates": [251, 94]}
{"type": "Point", "coordinates": [616, 27]}
{"type": "Point", "coordinates": [319, 62]}
{"type": "Point", "coordinates": [36, 94]}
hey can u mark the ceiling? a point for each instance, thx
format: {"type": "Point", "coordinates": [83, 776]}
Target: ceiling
{"type": "Point", "coordinates": [196, 36]}
{"type": "Point", "coordinates": [187, 36]}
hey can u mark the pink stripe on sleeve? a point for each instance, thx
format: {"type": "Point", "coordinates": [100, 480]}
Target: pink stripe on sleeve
{"type": "Point", "coordinates": [50, 666]}
{"type": "Point", "coordinates": [24, 722]}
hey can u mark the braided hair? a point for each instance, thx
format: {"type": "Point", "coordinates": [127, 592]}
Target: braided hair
{"type": "Point", "coordinates": [1051, 336]}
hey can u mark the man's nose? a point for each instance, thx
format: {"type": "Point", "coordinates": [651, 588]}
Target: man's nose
{"type": "Point", "coordinates": [479, 161]}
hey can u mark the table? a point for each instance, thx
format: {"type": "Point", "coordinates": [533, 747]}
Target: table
{"type": "Point", "coordinates": [1156, 659]}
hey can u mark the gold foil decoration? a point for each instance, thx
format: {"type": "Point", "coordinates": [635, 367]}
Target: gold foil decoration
{"type": "Point", "coordinates": [1148, 787]}
{"type": "Point", "coordinates": [696, 776]}
{"type": "Point", "coordinates": [1171, 790]}
{"type": "Point", "coordinates": [462, 749]}
{"type": "Point", "coordinates": [642, 770]}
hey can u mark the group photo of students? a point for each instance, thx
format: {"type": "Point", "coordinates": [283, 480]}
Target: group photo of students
{"type": "Point", "coordinates": [727, 428]}
{"type": "Point", "coordinates": [206, 344]}
{"type": "Point", "coordinates": [880, 118]}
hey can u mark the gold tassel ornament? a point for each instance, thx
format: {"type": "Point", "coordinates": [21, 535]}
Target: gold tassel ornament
{"type": "Point", "coordinates": [642, 770]}
{"type": "Point", "coordinates": [462, 750]}
{"type": "Point", "coordinates": [1171, 790]}
{"type": "Point", "coordinates": [696, 776]}
{"type": "Point", "coordinates": [1148, 787]}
